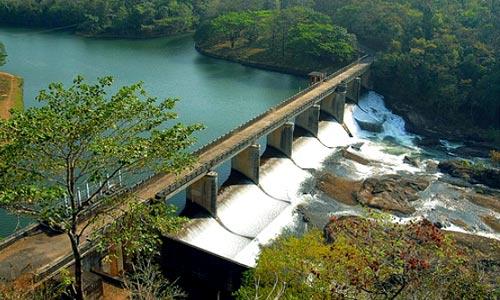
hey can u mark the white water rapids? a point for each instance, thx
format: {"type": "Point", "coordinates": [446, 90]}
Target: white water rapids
{"type": "Point", "coordinates": [255, 215]}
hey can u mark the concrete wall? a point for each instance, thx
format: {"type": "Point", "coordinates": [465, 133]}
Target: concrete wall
{"type": "Point", "coordinates": [334, 104]}
{"type": "Point", "coordinates": [309, 120]}
{"type": "Point", "coordinates": [204, 193]}
{"type": "Point", "coordinates": [354, 90]}
{"type": "Point", "coordinates": [282, 139]}
{"type": "Point", "coordinates": [195, 267]}
{"type": "Point", "coordinates": [247, 162]}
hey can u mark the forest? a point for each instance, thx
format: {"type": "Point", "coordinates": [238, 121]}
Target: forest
{"type": "Point", "coordinates": [435, 58]}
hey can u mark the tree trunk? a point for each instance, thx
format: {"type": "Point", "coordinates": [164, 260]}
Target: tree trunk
{"type": "Point", "coordinates": [78, 285]}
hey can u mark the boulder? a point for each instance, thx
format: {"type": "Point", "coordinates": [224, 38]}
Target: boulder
{"type": "Point", "coordinates": [472, 173]}
{"type": "Point", "coordinates": [472, 151]}
{"type": "Point", "coordinates": [354, 157]}
{"type": "Point", "coordinates": [391, 192]}
{"type": "Point", "coordinates": [371, 124]}
{"type": "Point", "coordinates": [338, 188]}
{"type": "Point", "coordinates": [412, 161]}
{"type": "Point", "coordinates": [428, 142]}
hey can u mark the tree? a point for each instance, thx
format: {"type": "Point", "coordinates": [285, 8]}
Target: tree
{"type": "Point", "coordinates": [232, 25]}
{"type": "Point", "coordinates": [325, 41]}
{"type": "Point", "coordinates": [3, 54]}
{"type": "Point", "coordinates": [146, 282]}
{"type": "Point", "coordinates": [80, 136]}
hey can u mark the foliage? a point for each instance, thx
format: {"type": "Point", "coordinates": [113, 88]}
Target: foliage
{"type": "Point", "coordinates": [51, 290]}
{"type": "Point", "coordinates": [294, 32]}
{"type": "Point", "coordinates": [103, 17]}
{"type": "Point", "coordinates": [146, 282]}
{"type": "Point", "coordinates": [364, 259]}
{"type": "Point", "coordinates": [138, 231]}
{"type": "Point", "coordinates": [438, 57]}
{"type": "Point", "coordinates": [80, 136]}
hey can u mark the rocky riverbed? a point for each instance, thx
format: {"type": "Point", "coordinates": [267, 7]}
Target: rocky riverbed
{"type": "Point", "coordinates": [407, 176]}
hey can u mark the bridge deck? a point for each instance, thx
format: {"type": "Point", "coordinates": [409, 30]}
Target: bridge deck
{"type": "Point", "coordinates": [36, 253]}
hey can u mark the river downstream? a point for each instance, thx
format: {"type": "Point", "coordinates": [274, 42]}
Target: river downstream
{"type": "Point", "coordinates": [219, 94]}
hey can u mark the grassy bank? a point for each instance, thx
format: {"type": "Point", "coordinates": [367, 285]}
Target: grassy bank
{"type": "Point", "coordinates": [11, 94]}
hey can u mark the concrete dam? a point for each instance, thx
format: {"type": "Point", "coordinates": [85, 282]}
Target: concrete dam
{"type": "Point", "coordinates": [236, 219]}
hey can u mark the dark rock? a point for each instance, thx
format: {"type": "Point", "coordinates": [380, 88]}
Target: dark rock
{"type": "Point", "coordinates": [391, 192]}
{"type": "Point", "coordinates": [354, 157]}
{"type": "Point", "coordinates": [428, 142]}
{"type": "Point", "coordinates": [357, 146]}
{"type": "Point", "coordinates": [472, 151]}
{"type": "Point", "coordinates": [431, 166]}
{"type": "Point", "coordinates": [371, 125]}
{"type": "Point", "coordinates": [338, 188]}
{"type": "Point", "coordinates": [412, 161]}
{"type": "Point", "coordinates": [438, 225]}
{"type": "Point", "coordinates": [472, 173]}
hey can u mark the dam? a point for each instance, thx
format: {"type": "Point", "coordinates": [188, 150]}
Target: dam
{"type": "Point", "coordinates": [240, 147]}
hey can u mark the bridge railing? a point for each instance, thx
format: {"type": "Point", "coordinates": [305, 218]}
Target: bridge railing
{"type": "Point", "coordinates": [198, 171]}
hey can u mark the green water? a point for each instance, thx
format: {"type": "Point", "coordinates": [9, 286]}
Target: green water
{"type": "Point", "coordinates": [219, 94]}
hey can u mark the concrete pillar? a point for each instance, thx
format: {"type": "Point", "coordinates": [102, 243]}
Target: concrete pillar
{"type": "Point", "coordinates": [356, 89]}
{"type": "Point", "coordinates": [282, 139]}
{"type": "Point", "coordinates": [337, 106]}
{"type": "Point", "coordinates": [204, 193]}
{"type": "Point", "coordinates": [366, 80]}
{"type": "Point", "coordinates": [309, 120]}
{"type": "Point", "coordinates": [247, 162]}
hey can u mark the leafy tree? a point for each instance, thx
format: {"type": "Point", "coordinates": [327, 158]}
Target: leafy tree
{"type": "Point", "coordinates": [359, 258]}
{"type": "Point", "coordinates": [325, 41]}
{"type": "Point", "coordinates": [232, 25]}
{"type": "Point", "coordinates": [82, 135]}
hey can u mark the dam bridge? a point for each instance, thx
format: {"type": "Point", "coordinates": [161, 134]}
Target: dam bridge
{"type": "Point", "coordinates": [40, 256]}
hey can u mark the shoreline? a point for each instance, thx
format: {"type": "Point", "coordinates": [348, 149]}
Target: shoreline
{"type": "Point", "coordinates": [12, 97]}
{"type": "Point", "coordinates": [253, 64]}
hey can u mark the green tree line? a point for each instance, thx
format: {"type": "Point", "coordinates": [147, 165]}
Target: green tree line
{"type": "Point", "coordinates": [295, 33]}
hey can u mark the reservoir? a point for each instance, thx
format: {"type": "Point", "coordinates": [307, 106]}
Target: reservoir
{"type": "Point", "coordinates": [219, 94]}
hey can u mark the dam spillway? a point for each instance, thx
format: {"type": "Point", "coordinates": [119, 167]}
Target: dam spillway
{"type": "Point", "coordinates": [250, 215]}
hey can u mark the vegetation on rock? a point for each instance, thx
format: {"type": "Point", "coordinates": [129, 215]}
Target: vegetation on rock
{"type": "Point", "coordinates": [358, 258]}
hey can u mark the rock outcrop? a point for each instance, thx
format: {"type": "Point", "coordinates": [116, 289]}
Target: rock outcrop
{"type": "Point", "coordinates": [391, 192]}
{"type": "Point", "coordinates": [471, 173]}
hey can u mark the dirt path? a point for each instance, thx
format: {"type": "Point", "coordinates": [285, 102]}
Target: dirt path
{"type": "Point", "coordinates": [7, 98]}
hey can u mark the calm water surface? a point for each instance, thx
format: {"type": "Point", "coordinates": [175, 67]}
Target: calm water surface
{"type": "Point", "coordinates": [219, 94]}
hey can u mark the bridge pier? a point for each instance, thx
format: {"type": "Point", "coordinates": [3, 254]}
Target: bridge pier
{"type": "Point", "coordinates": [334, 104]}
{"type": "Point", "coordinates": [309, 120]}
{"type": "Point", "coordinates": [354, 91]}
{"type": "Point", "coordinates": [247, 162]}
{"type": "Point", "coordinates": [282, 139]}
{"type": "Point", "coordinates": [204, 193]}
